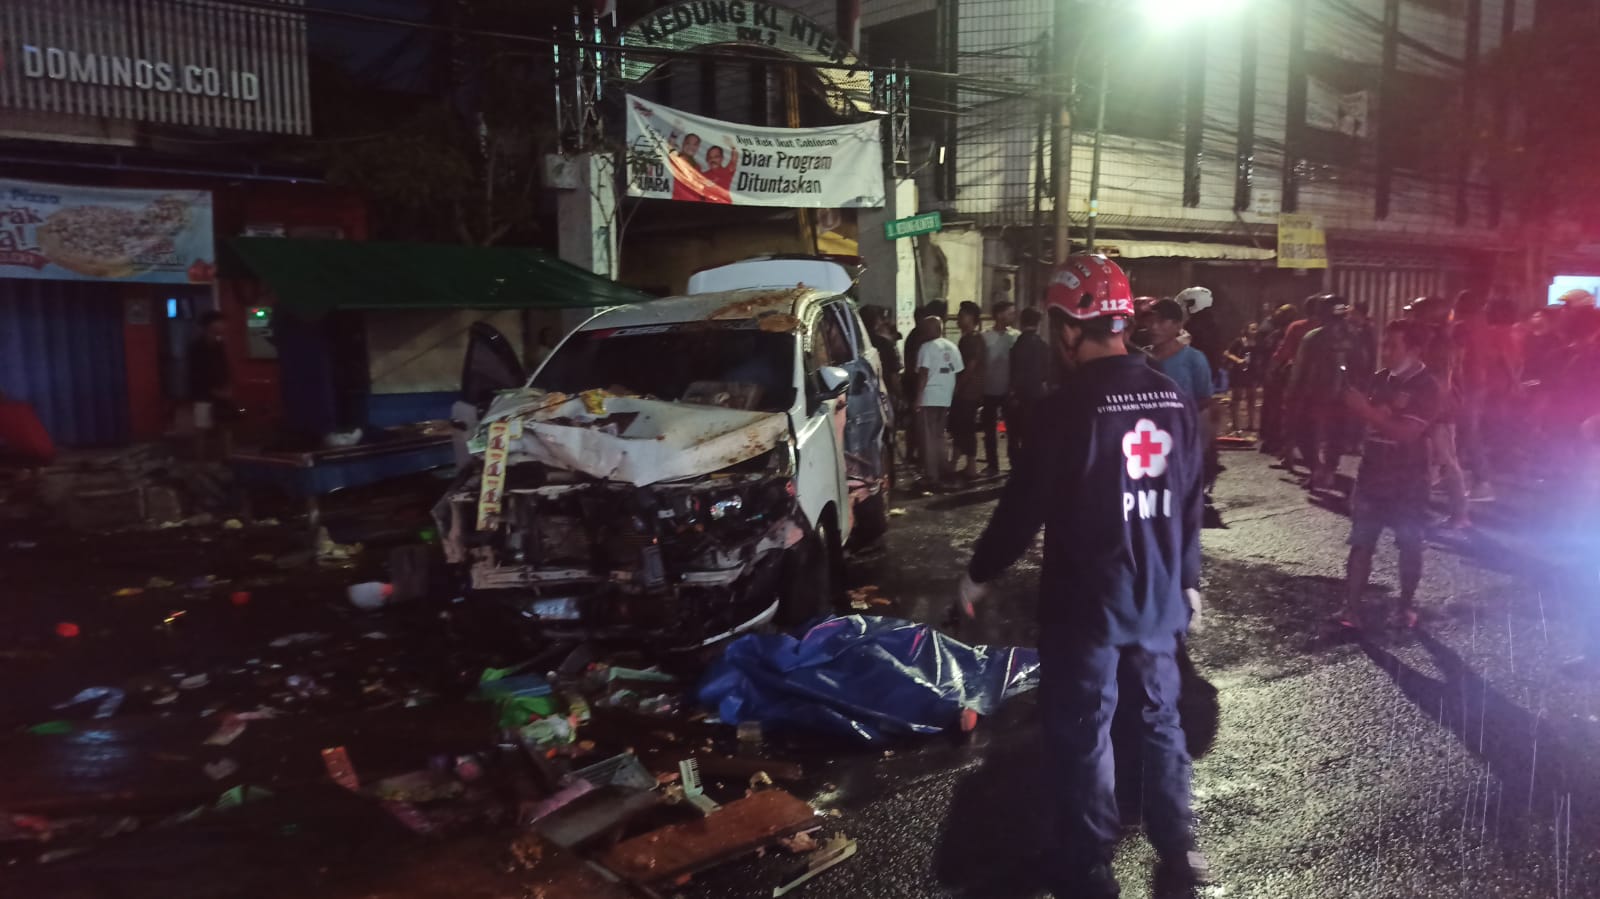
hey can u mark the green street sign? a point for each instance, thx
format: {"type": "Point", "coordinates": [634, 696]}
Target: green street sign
{"type": "Point", "coordinates": [926, 223]}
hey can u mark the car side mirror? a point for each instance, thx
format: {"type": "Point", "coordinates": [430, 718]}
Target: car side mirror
{"type": "Point", "coordinates": [832, 382]}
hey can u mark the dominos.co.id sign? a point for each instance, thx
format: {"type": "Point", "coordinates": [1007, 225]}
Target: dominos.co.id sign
{"type": "Point", "coordinates": [214, 65]}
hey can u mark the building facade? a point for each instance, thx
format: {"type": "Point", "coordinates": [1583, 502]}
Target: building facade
{"type": "Point", "coordinates": [1213, 130]}
{"type": "Point", "coordinates": [135, 137]}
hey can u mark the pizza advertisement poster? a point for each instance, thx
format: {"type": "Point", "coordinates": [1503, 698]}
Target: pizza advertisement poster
{"type": "Point", "coordinates": [69, 233]}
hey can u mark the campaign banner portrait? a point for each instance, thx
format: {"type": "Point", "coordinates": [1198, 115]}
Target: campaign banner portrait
{"type": "Point", "coordinates": [674, 155]}
{"type": "Point", "coordinates": [65, 233]}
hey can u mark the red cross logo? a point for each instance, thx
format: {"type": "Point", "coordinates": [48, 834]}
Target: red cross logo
{"type": "Point", "coordinates": [1146, 447]}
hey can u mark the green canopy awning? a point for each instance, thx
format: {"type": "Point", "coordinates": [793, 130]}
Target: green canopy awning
{"type": "Point", "coordinates": [314, 277]}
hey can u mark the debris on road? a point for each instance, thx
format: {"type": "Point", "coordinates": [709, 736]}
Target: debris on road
{"type": "Point", "coordinates": [827, 856]}
{"type": "Point", "coordinates": [110, 699]}
{"type": "Point", "coordinates": [740, 827]}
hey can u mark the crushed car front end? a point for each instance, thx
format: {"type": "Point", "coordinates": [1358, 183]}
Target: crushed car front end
{"type": "Point", "coordinates": [627, 519]}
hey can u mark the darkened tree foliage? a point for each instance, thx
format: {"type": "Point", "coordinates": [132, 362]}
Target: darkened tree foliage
{"type": "Point", "coordinates": [460, 160]}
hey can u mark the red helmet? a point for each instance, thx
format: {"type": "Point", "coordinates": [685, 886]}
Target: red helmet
{"type": "Point", "coordinates": [1090, 286]}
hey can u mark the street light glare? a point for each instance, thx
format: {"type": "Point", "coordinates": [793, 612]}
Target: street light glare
{"type": "Point", "coordinates": [1172, 13]}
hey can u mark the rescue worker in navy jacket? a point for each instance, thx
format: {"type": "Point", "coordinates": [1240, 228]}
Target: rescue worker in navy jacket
{"type": "Point", "coordinates": [1116, 481]}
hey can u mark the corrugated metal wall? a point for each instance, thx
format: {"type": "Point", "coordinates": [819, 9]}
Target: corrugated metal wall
{"type": "Point", "coordinates": [61, 350]}
{"type": "Point", "coordinates": [1387, 290]}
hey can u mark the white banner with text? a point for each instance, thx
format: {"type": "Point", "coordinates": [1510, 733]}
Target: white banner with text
{"type": "Point", "coordinates": [673, 155]}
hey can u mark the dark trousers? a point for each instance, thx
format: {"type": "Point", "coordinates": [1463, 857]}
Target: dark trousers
{"type": "Point", "coordinates": [964, 429]}
{"type": "Point", "coordinates": [1272, 414]}
{"type": "Point", "coordinates": [1319, 436]}
{"type": "Point", "coordinates": [989, 422]}
{"type": "Point", "coordinates": [1020, 429]}
{"type": "Point", "coordinates": [1078, 696]}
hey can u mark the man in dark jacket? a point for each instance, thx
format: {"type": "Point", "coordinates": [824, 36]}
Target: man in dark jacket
{"type": "Point", "coordinates": [1030, 381]}
{"type": "Point", "coordinates": [1116, 483]}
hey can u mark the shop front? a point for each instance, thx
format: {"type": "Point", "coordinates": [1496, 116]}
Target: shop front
{"type": "Point", "coordinates": [97, 291]}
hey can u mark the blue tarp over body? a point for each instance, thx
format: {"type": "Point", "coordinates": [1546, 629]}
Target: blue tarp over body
{"type": "Point", "coordinates": [872, 679]}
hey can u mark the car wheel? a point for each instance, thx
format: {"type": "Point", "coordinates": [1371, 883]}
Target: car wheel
{"type": "Point", "coordinates": [811, 578]}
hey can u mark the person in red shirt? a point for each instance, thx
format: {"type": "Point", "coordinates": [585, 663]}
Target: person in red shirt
{"type": "Point", "coordinates": [720, 175]}
{"type": "Point", "coordinates": [688, 182]}
{"type": "Point", "coordinates": [1279, 370]}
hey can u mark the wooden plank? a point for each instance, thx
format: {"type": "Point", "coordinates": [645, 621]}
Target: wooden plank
{"type": "Point", "coordinates": [737, 828]}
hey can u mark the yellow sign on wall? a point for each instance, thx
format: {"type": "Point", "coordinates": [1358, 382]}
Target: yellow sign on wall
{"type": "Point", "coordinates": [1301, 242]}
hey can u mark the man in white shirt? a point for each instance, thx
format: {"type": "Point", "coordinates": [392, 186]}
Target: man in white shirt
{"type": "Point", "coordinates": [938, 363]}
{"type": "Point", "coordinates": [997, 343]}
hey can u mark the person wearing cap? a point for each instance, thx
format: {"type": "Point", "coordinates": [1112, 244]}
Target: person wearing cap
{"type": "Point", "coordinates": [1116, 484]}
{"type": "Point", "coordinates": [1331, 359]}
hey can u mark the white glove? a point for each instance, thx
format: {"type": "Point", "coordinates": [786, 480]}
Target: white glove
{"type": "Point", "coordinates": [968, 594]}
{"type": "Point", "coordinates": [1196, 603]}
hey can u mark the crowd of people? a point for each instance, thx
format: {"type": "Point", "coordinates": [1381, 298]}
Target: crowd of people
{"type": "Point", "coordinates": [1114, 417]}
{"type": "Point", "coordinates": [1481, 387]}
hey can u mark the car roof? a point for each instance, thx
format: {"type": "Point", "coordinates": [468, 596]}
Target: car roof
{"type": "Point", "coordinates": [775, 271]}
{"type": "Point", "coordinates": [728, 305]}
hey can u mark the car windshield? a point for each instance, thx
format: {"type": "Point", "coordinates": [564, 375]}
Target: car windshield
{"type": "Point", "coordinates": [734, 367]}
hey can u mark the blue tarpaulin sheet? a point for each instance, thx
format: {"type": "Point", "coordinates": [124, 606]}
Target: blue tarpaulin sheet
{"type": "Point", "coordinates": [871, 679]}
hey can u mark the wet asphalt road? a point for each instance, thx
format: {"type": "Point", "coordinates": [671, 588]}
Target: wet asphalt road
{"type": "Point", "coordinates": [1459, 762]}
{"type": "Point", "coordinates": [1456, 762]}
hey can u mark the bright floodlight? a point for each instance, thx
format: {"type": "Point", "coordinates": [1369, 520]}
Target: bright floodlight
{"type": "Point", "coordinates": [1167, 13]}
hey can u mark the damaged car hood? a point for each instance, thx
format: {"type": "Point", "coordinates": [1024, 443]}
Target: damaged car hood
{"type": "Point", "coordinates": [628, 438]}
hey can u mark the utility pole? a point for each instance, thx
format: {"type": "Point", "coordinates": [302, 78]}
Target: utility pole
{"type": "Point", "coordinates": [1060, 84]}
{"type": "Point", "coordinates": [1094, 166]}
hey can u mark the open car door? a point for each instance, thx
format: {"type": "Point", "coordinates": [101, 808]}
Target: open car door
{"type": "Point", "coordinates": [491, 365]}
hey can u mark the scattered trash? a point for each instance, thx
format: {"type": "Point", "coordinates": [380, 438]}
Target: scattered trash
{"type": "Point", "coordinates": [558, 800]}
{"type": "Point", "coordinates": [896, 512]}
{"type": "Point", "coordinates": [56, 855]}
{"type": "Point", "coordinates": [50, 728]}
{"type": "Point", "coordinates": [410, 816]}
{"type": "Point", "coordinates": [233, 524]}
{"type": "Point", "coordinates": [158, 583]}
{"type": "Point", "coordinates": [204, 582]}
{"type": "Point", "coordinates": [110, 699]}
{"type": "Point", "coordinates": [166, 698]}
{"type": "Point", "coordinates": [417, 786]}
{"type": "Point", "coordinates": [303, 639]}
{"type": "Point", "coordinates": [232, 727]}
{"type": "Point", "coordinates": [128, 591]}
{"type": "Point", "coordinates": [194, 682]}
{"type": "Point", "coordinates": [800, 844]}
{"type": "Point", "coordinates": [329, 552]}
{"type": "Point", "coordinates": [304, 686]}
{"type": "Point", "coordinates": [67, 629]}
{"type": "Point", "coordinates": [522, 698]}
{"type": "Point", "coordinates": [340, 771]}
{"type": "Point", "coordinates": [240, 795]}
{"type": "Point", "coordinates": [221, 769]}
{"type": "Point", "coordinates": [869, 679]}
{"type": "Point", "coordinates": [742, 826]}
{"type": "Point", "coordinates": [830, 854]}
{"type": "Point", "coordinates": [240, 597]}
{"type": "Point", "coordinates": [623, 770]}
{"type": "Point", "coordinates": [22, 544]}
{"type": "Point", "coordinates": [173, 616]}
{"type": "Point", "coordinates": [694, 792]}
{"type": "Point", "coordinates": [370, 594]}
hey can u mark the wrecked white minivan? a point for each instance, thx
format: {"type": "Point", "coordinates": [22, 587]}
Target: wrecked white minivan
{"type": "Point", "coordinates": [677, 471]}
